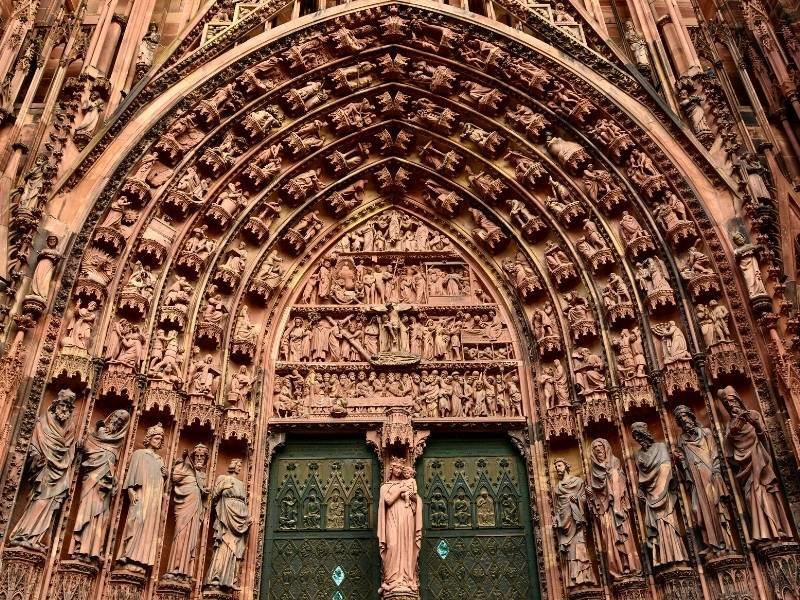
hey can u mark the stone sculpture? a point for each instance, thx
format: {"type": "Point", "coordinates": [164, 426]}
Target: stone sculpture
{"type": "Point", "coordinates": [701, 463]}
{"type": "Point", "coordinates": [231, 525]}
{"type": "Point", "coordinates": [189, 493]}
{"type": "Point", "coordinates": [570, 524]}
{"type": "Point", "coordinates": [51, 463]}
{"type": "Point", "coordinates": [98, 484]}
{"type": "Point", "coordinates": [752, 461]}
{"type": "Point", "coordinates": [610, 504]}
{"type": "Point", "coordinates": [144, 483]}
{"type": "Point", "coordinates": [399, 532]}
{"type": "Point", "coordinates": [657, 492]}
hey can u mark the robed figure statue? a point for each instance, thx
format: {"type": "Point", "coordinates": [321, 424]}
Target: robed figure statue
{"type": "Point", "coordinates": [399, 531]}
{"type": "Point", "coordinates": [231, 524]}
{"type": "Point", "coordinates": [99, 482]}
{"type": "Point", "coordinates": [51, 463]}
{"type": "Point", "coordinates": [701, 464]}
{"type": "Point", "coordinates": [145, 485]}
{"type": "Point", "coordinates": [570, 525]}
{"type": "Point", "coordinates": [189, 492]}
{"type": "Point", "coordinates": [657, 491]}
{"type": "Point", "coordinates": [752, 461]}
{"type": "Point", "coordinates": [611, 505]}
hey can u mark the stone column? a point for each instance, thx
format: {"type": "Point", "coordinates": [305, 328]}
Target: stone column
{"type": "Point", "coordinates": [122, 73]}
{"type": "Point", "coordinates": [100, 33]}
{"type": "Point", "coordinates": [109, 47]}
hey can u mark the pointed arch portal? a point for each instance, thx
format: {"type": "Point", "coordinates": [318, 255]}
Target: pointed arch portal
{"type": "Point", "coordinates": [383, 225]}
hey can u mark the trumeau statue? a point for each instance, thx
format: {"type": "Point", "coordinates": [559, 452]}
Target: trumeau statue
{"type": "Point", "coordinates": [144, 483]}
{"type": "Point", "coordinates": [98, 484]}
{"type": "Point", "coordinates": [231, 525]}
{"type": "Point", "coordinates": [189, 493]}
{"type": "Point", "coordinates": [701, 463]}
{"type": "Point", "coordinates": [51, 463]}
{"type": "Point", "coordinates": [657, 492]}
{"type": "Point", "coordinates": [752, 461]}
{"type": "Point", "coordinates": [611, 506]}
{"type": "Point", "coordinates": [570, 524]}
{"type": "Point", "coordinates": [399, 530]}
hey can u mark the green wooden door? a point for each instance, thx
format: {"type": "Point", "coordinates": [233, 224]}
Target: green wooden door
{"type": "Point", "coordinates": [321, 524]}
{"type": "Point", "coordinates": [477, 540]}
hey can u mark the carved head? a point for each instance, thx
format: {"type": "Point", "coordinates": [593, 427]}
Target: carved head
{"type": "Point", "coordinates": [600, 450]}
{"type": "Point", "coordinates": [642, 435]}
{"type": "Point", "coordinates": [235, 466]}
{"type": "Point", "coordinates": [685, 417]}
{"type": "Point", "coordinates": [154, 437]}
{"type": "Point", "coordinates": [731, 401]}
{"type": "Point", "coordinates": [200, 456]}
{"type": "Point", "coordinates": [63, 405]}
{"type": "Point", "coordinates": [116, 421]}
{"type": "Point", "coordinates": [561, 466]}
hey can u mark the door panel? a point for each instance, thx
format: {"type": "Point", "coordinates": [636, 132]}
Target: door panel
{"type": "Point", "coordinates": [477, 540]}
{"type": "Point", "coordinates": [321, 540]}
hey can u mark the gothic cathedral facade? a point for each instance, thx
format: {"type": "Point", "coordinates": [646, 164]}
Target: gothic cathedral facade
{"type": "Point", "coordinates": [399, 300]}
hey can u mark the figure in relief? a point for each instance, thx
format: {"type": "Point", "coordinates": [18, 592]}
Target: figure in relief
{"type": "Point", "coordinates": [657, 491]}
{"type": "Point", "coordinates": [570, 524]}
{"type": "Point", "coordinates": [673, 342]}
{"type": "Point", "coordinates": [189, 493]}
{"type": "Point", "coordinates": [79, 329]}
{"type": "Point", "coordinates": [748, 265]}
{"type": "Point", "coordinates": [45, 267]}
{"type": "Point", "coordinates": [637, 46]}
{"type": "Point", "coordinates": [701, 463]}
{"type": "Point", "coordinates": [231, 525]}
{"type": "Point", "coordinates": [240, 387]}
{"type": "Point", "coordinates": [50, 463]}
{"type": "Point", "coordinates": [144, 483]}
{"type": "Point", "coordinates": [611, 506]}
{"type": "Point", "coordinates": [399, 530]}
{"type": "Point", "coordinates": [98, 484]}
{"type": "Point", "coordinates": [751, 458]}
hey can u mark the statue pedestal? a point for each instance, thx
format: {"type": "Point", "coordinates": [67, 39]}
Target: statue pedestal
{"type": "Point", "coordinates": [630, 588]}
{"type": "Point", "coordinates": [730, 577]}
{"type": "Point", "coordinates": [678, 581]}
{"type": "Point", "coordinates": [173, 588]}
{"type": "Point", "coordinates": [585, 593]}
{"type": "Point", "coordinates": [216, 593]}
{"type": "Point", "coordinates": [401, 596]}
{"type": "Point", "coordinates": [74, 579]}
{"type": "Point", "coordinates": [125, 582]}
{"type": "Point", "coordinates": [20, 572]}
{"type": "Point", "coordinates": [781, 560]}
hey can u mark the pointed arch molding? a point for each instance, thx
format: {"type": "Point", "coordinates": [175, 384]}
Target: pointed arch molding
{"type": "Point", "coordinates": [525, 157]}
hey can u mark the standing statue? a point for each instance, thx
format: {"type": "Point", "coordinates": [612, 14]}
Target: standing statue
{"type": "Point", "coordinates": [752, 461]}
{"type": "Point", "coordinates": [189, 492]}
{"type": "Point", "coordinates": [570, 525]}
{"type": "Point", "coordinates": [657, 491]}
{"type": "Point", "coordinates": [231, 524]}
{"type": "Point", "coordinates": [611, 505]}
{"type": "Point", "coordinates": [700, 461]}
{"type": "Point", "coordinates": [145, 484]}
{"type": "Point", "coordinates": [637, 45]}
{"type": "Point", "coordinates": [50, 461]}
{"type": "Point", "coordinates": [692, 106]}
{"type": "Point", "coordinates": [748, 265]}
{"type": "Point", "coordinates": [147, 48]}
{"type": "Point", "coordinates": [399, 530]}
{"type": "Point", "coordinates": [98, 484]}
{"type": "Point", "coordinates": [45, 267]}
{"type": "Point", "coordinates": [92, 108]}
